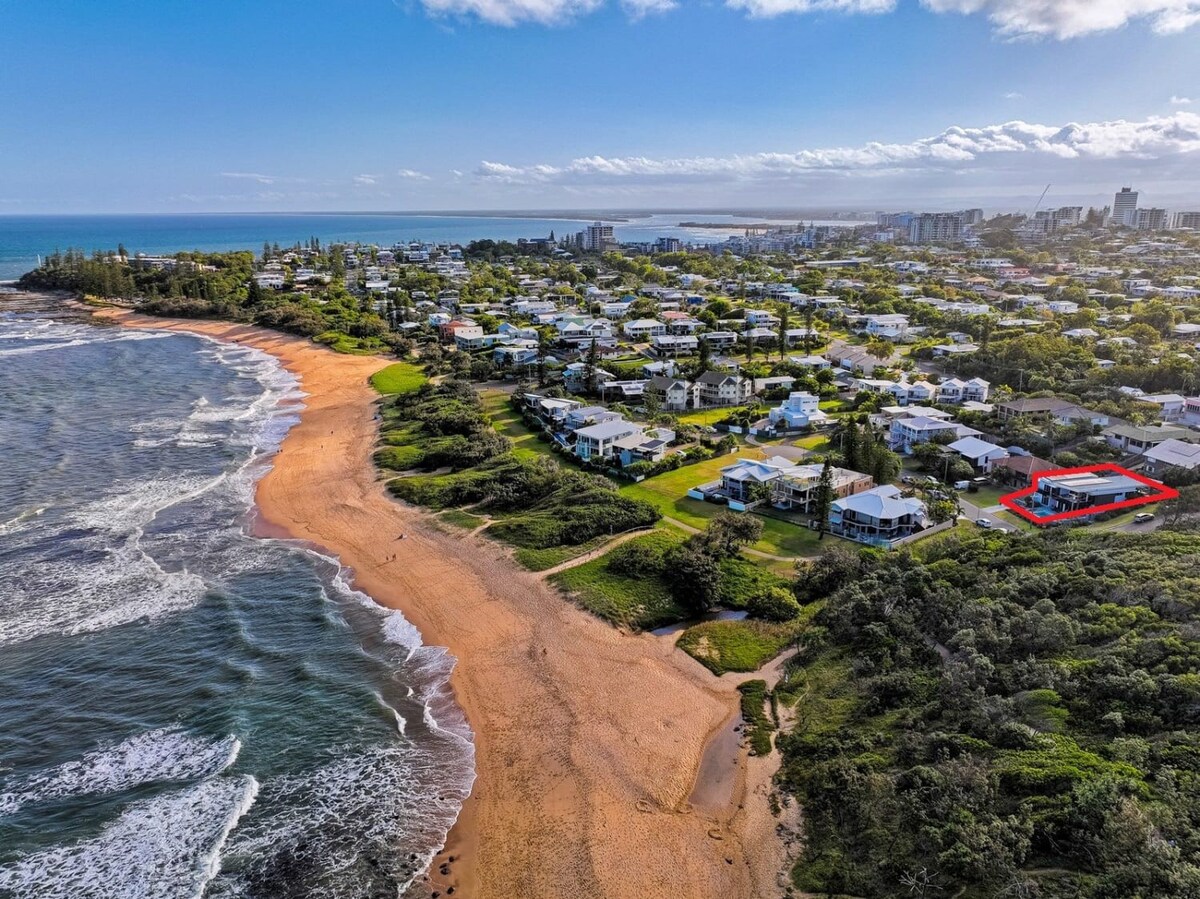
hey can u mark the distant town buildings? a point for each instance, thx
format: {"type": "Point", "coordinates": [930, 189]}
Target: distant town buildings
{"type": "Point", "coordinates": [1124, 206]}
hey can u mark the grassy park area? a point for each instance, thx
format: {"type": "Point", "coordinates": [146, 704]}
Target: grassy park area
{"type": "Point", "coordinates": [400, 377]}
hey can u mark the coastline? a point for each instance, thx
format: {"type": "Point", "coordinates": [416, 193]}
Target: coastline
{"type": "Point", "coordinates": [588, 741]}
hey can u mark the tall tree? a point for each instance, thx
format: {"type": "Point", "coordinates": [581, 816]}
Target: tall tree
{"type": "Point", "coordinates": [851, 446]}
{"type": "Point", "coordinates": [824, 499]}
{"type": "Point", "coordinates": [808, 320]}
{"type": "Point", "coordinates": [593, 358]}
{"type": "Point", "coordinates": [783, 329]}
{"type": "Point", "coordinates": [704, 359]}
{"type": "Point", "coordinates": [542, 347]}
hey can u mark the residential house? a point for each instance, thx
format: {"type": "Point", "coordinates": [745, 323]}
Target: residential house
{"type": "Point", "coordinates": [672, 394]}
{"type": "Point", "coordinates": [587, 415]}
{"type": "Point", "coordinates": [1020, 470]}
{"type": "Point", "coordinates": [954, 390]}
{"type": "Point", "coordinates": [879, 516]}
{"type": "Point", "coordinates": [1171, 453]}
{"type": "Point", "coordinates": [721, 389]}
{"type": "Point", "coordinates": [599, 441]}
{"type": "Point", "coordinates": [673, 344]}
{"type": "Point", "coordinates": [1076, 492]}
{"type": "Point", "coordinates": [1134, 439]}
{"type": "Point", "coordinates": [648, 446]}
{"type": "Point", "coordinates": [720, 340]}
{"type": "Point", "coordinates": [1170, 405]}
{"type": "Point", "coordinates": [644, 328]}
{"type": "Point", "coordinates": [782, 483]}
{"type": "Point", "coordinates": [908, 432]}
{"type": "Point", "coordinates": [578, 377]}
{"type": "Point", "coordinates": [981, 454]}
{"type": "Point", "coordinates": [800, 410]}
{"type": "Point", "coordinates": [1062, 411]}
{"type": "Point", "coordinates": [888, 327]}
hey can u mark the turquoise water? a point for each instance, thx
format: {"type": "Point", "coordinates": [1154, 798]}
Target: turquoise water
{"type": "Point", "coordinates": [24, 238]}
{"type": "Point", "coordinates": [186, 710]}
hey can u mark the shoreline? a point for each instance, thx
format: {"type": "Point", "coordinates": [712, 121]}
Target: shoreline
{"type": "Point", "coordinates": [589, 742]}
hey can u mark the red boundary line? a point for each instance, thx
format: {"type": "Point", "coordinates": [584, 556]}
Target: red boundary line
{"type": "Point", "coordinates": [1009, 500]}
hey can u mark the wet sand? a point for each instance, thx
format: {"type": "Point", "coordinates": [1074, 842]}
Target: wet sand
{"type": "Point", "coordinates": [589, 741]}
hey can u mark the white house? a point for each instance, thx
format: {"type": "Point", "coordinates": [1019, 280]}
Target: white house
{"type": "Point", "coordinates": [908, 432]}
{"type": "Point", "coordinates": [879, 516]}
{"type": "Point", "coordinates": [599, 440]}
{"type": "Point", "coordinates": [800, 410]}
{"type": "Point", "coordinates": [642, 328]}
{"type": "Point", "coordinates": [954, 390]}
{"type": "Point", "coordinates": [981, 454]}
{"type": "Point", "coordinates": [720, 389]}
{"type": "Point", "coordinates": [888, 327]}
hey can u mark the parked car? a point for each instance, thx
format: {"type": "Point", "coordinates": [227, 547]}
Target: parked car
{"type": "Point", "coordinates": [1143, 517]}
{"type": "Point", "coordinates": [983, 522]}
{"type": "Point", "coordinates": [961, 485]}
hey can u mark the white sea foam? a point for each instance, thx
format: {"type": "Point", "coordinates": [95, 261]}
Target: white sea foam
{"type": "Point", "coordinates": [346, 819]}
{"type": "Point", "coordinates": [164, 754]}
{"type": "Point", "coordinates": [167, 847]}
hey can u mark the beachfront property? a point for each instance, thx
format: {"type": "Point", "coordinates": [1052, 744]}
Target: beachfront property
{"type": "Point", "coordinates": [879, 516]}
{"type": "Point", "coordinates": [599, 441]}
{"type": "Point", "coordinates": [785, 485]}
{"type": "Point", "coordinates": [1077, 492]}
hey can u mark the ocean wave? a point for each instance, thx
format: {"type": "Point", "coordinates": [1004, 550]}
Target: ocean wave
{"type": "Point", "coordinates": [341, 828]}
{"type": "Point", "coordinates": [168, 847]}
{"type": "Point", "coordinates": [164, 754]}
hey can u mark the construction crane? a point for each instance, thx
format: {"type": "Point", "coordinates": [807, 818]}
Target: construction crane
{"type": "Point", "coordinates": [1038, 204]}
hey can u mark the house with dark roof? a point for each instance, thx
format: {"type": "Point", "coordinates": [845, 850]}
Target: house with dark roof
{"type": "Point", "coordinates": [722, 389]}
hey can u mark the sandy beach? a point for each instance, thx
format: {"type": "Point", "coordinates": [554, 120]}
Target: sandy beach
{"type": "Point", "coordinates": [589, 741]}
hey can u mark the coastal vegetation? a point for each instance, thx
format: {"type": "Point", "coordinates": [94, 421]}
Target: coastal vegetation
{"type": "Point", "coordinates": [1000, 716]}
{"type": "Point", "coordinates": [444, 431]}
{"type": "Point", "coordinates": [220, 285]}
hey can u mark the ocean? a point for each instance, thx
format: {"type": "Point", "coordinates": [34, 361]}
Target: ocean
{"type": "Point", "coordinates": [187, 710]}
{"type": "Point", "coordinates": [24, 238]}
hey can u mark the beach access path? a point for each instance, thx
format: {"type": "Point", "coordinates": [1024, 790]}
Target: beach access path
{"type": "Point", "coordinates": [588, 739]}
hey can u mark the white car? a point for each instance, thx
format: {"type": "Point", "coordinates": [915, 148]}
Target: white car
{"type": "Point", "coordinates": [983, 522]}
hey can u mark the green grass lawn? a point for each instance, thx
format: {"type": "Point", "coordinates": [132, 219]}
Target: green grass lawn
{"type": "Point", "coordinates": [541, 559]}
{"type": "Point", "coordinates": [639, 602]}
{"type": "Point", "coordinates": [746, 645]}
{"type": "Point", "coordinates": [986, 496]}
{"type": "Point", "coordinates": [509, 423]}
{"type": "Point", "coordinates": [459, 518]}
{"type": "Point", "coordinates": [400, 377]}
{"type": "Point", "coordinates": [704, 417]}
{"type": "Point", "coordinates": [667, 492]}
{"type": "Point", "coordinates": [817, 443]}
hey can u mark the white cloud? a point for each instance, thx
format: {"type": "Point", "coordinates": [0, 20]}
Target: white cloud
{"type": "Point", "coordinates": [514, 12]}
{"type": "Point", "coordinates": [251, 176]}
{"type": "Point", "coordinates": [1012, 18]}
{"type": "Point", "coordinates": [769, 8]}
{"type": "Point", "coordinates": [955, 149]}
{"type": "Point", "coordinates": [1014, 95]}
{"type": "Point", "coordinates": [1181, 101]}
{"type": "Point", "coordinates": [1071, 18]}
{"type": "Point", "coordinates": [412, 175]}
{"type": "Point", "coordinates": [639, 9]}
{"type": "Point", "coordinates": [366, 180]}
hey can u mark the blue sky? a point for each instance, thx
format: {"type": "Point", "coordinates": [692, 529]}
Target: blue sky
{"type": "Point", "coordinates": [542, 104]}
